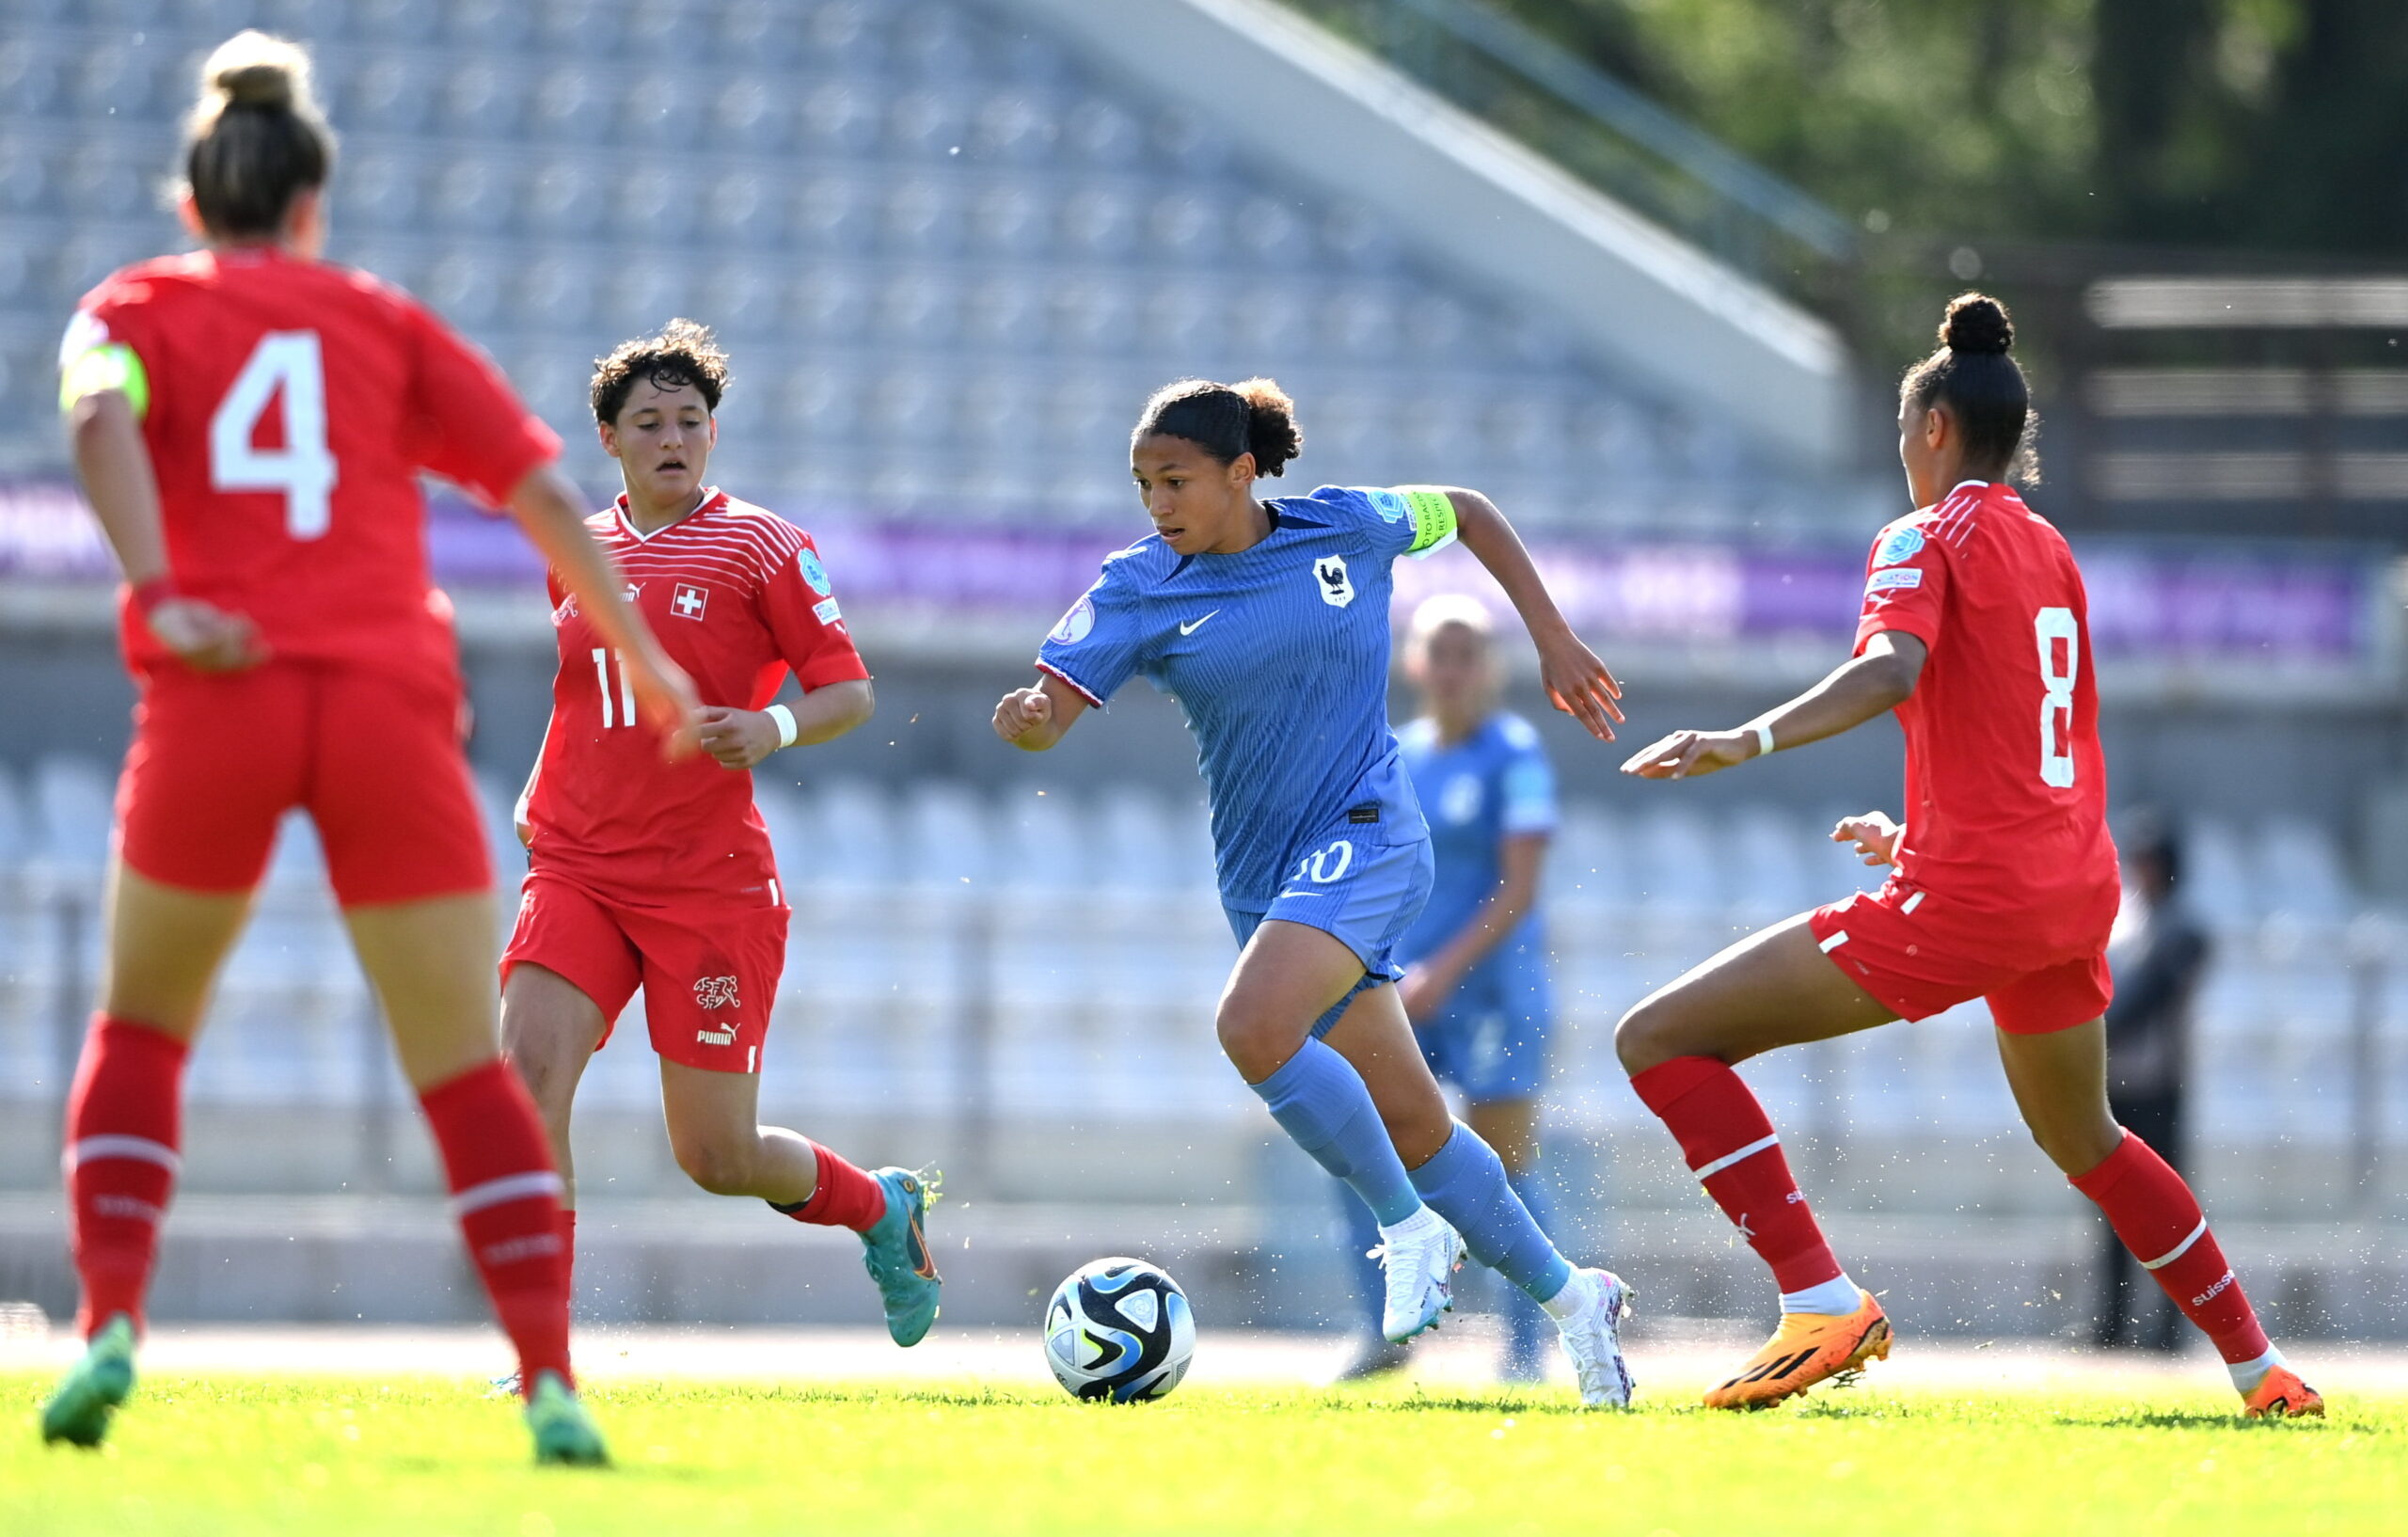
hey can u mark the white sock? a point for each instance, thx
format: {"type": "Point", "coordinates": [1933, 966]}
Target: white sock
{"type": "Point", "coordinates": [1578, 1290]}
{"type": "Point", "coordinates": [1836, 1296]}
{"type": "Point", "coordinates": [1412, 1228]}
{"type": "Point", "coordinates": [2246, 1375]}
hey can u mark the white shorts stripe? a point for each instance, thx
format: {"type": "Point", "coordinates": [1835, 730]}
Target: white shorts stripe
{"type": "Point", "coordinates": [1835, 942]}
{"type": "Point", "coordinates": [2179, 1250]}
{"type": "Point", "coordinates": [1913, 902]}
{"type": "Point", "coordinates": [1727, 1159]}
{"type": "Point", "coordinates": [510, 1187]}
{"type": "Point", "coordinates": [138, 1148]}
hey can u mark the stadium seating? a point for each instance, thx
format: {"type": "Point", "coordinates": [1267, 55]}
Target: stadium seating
{"type": "Point", "coordinates": [932, 970]}
{"type": "Point", "coordinates": [949, 263]}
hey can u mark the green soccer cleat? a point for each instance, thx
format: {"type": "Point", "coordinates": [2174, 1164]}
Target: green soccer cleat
{"type": "Point", "coordinates": [79, 1412]}
{"type": "Point", "coordinates": [564, 1432]}
{"type": "Point", "coordinates": [896, 1253]}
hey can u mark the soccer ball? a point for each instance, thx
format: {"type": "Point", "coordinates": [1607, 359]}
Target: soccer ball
{"type": "Point", "coordinates": [1119, 1329]}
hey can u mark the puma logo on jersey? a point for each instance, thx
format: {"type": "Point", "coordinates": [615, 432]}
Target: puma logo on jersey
{"type": "Point", "coordinates": [1192, 626]}
{"type": "Point", "coordinates": [1337, 588]}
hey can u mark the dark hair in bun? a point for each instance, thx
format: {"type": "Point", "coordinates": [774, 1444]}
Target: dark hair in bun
{"type": "Point", "coordinates": [254, 139]}
{"type": "Point", "coordinates": [1976, 377]}
{"type": "Point", "coordinates": [1254, 416]}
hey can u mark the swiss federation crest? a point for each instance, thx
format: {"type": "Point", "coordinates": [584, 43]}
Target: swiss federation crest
{"type": "Point", "coordinates": [1329, 575]}
{"type": "Point", "coordinates": [690, 600]}
{"type": "Point", "coordinates": [1902, 543]}
{"type": "Point", "coordinates": [807, 561]}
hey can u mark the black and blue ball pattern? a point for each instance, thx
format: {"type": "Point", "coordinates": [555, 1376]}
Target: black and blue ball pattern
{"type": "Point", "coordinates": [1119, 1329]}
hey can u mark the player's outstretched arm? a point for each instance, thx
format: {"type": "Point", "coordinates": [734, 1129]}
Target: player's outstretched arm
{"type": "Point", "coordinates": [115, 466]}
{"type": "Point", "coordinates": [1035, 718]}
{"type": "Point", "coordinates": [1853, 693]}
{"type": "Point", "coordinates": [1576, 682]}
{"type": "Point", "coordinates": [741, 739]}
{"type": "Point", "coordinates": [548, 508]}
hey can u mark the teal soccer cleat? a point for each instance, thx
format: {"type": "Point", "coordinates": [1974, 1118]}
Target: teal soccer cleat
{"type": "Point", "coordinates": [564, 1432]}
{"type": "Point", "coordinates": [897, 1254]}
{"type": "Point", "coordinates": [90, 1392]}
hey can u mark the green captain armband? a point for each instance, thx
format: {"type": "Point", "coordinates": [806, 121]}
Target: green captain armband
{"type": "Point", "coordinates": [1434, 520]}
{"type": "Point", "coordinates": [112, 365]}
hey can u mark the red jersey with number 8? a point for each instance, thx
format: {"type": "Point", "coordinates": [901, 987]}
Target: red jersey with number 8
{"type": "Point", "coordinates": [292, 406]}
{"type": "Point", "coordinates": [2006, 788]}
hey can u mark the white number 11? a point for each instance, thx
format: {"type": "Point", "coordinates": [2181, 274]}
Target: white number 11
{"type": "Point", "coordinates": [2049, 626]}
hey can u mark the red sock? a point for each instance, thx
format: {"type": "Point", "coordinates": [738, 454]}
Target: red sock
{"type": "Point", "coordinates": [507, 1197]}
{"type": "Point", "coordinates": [2154, 1213]}
{"type": "Point", "coordinates": [844, 1197]}
{"type": "Point", "coordinates": [1730, 1146]}
{"type": "Point", "coordinates": [124, 1124]}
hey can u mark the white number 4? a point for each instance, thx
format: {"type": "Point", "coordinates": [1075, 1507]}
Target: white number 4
{"type": "Point", "coordinates": [302, 469]}
{"type": "Point", "coordinates": [2049, 627]}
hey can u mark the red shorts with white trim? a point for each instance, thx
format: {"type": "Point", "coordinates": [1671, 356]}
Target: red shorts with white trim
{"type": "Point", "coordinates": [1899, 944]}
{"type": "Point", "coordinates": [375, 759]}
{"type": "Point", "coordinates": [709, 971]}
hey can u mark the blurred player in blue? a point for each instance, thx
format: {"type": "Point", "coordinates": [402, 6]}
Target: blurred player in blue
{"type": "Point", "coordinates": [1475, 965]}
{"type": "Point", "coordinates": [1268, 621]}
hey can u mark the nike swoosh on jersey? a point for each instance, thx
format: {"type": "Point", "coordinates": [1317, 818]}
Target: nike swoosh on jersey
{"type": "Point", "coordinates": [1189, 629]}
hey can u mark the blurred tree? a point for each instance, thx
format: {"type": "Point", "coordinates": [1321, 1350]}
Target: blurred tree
{"type": "Point", "coordinates": [2279, 124]}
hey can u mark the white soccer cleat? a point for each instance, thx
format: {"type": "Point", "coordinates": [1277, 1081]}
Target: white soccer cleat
{"type": "Point", "coordinates": [1592, 1338]}
{"type": "Point", "coordinates": [1419, 1256]}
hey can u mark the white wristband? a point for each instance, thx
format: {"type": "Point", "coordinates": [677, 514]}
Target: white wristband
{"type": "Point", "coordinates": [1764, 740]}
{"type": "Point", "coordinates": [784, 718]}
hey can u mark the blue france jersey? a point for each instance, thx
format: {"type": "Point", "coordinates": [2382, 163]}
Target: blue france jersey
{"type": "Point", "coordinates": [1492, 784]}
{"type": "Point", "coordinates": [1279, 656]}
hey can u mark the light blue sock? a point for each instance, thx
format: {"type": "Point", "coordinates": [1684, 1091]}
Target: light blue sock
{"type": "Point", "coordinates": [1319, 1099]}
{"type": "Point", "coordinates": [1361, 1234]}
{"type": "Point", "coordinates": [1527, 1326]}
{"type": "Point", "coordinates": [1465, 1182]}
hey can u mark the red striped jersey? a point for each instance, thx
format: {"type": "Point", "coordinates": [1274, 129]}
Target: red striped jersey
{"type": "Point", "coordinates": [738, 598]}
{"type": "Point", "coordinates": [2006, 788]}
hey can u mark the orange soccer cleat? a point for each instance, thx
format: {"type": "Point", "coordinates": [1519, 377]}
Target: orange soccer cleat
{"type": "Point", "coordinates": [1807, 1349]}
{"type": "Point", "coordinates": [2284, 1396]}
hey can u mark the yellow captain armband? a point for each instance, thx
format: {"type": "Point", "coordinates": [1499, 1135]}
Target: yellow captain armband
{"type": "Point", "coordinates": [1434, 519]}
{"type": "Point", "coordinates": [111, 365]}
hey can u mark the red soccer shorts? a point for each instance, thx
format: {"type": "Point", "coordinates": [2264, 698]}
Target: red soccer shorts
{"type": "Point", "coordinates": [375, 759]}
{"type": "Point", "coordinates": [1899, 944]}
{"type": "Point", "coordinates": [710, 973]}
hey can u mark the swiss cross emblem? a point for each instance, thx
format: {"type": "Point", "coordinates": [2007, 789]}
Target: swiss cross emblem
{"type": "Point", "coordinates": [690, 600]}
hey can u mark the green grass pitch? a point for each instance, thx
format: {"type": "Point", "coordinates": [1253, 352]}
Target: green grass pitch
{"type": "Point", "coordinates": [433, 1457]}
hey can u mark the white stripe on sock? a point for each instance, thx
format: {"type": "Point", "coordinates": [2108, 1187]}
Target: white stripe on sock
{"type": "Point", "coordinates": [141, 1148]}
{"type": "Point", "coordinates": [510, 1187]}
{"type": "Point", "coordinates": [1727, 1159]}
{"type": "Point", "coordinates": [2179, 1250]}
{"type": "Point", "coordinates": [1835, 942]}
{"type": "Point", "coordinates": [2246, 1375]}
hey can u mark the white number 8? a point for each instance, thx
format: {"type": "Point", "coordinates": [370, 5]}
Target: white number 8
{"type": "Point", "coordinates": [302, 469]}
{"type": "Point", "coordinates": [2049, 626]}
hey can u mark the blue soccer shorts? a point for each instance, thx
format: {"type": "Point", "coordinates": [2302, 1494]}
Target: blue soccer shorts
{"type": "Point", "coordinates": [1359, 889]}
{"type": "Point", "coordinates": [1490, 1037]}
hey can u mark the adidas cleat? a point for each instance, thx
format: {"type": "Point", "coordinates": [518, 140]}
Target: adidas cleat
{"type": "Point", "coordinates": [2284, 1396]}
{"type": "Point", "coordinates": [1807, 1349]}
{"type": "Point", "coordinates": [896, 1251]}
{"type": "Point", "coordinates": [564, 1432]}
{"type": "Point", "coordinates": [1593, 1338]}
{"type": "Point", "coordinates": [79, 1412]}
{"type": "Point", "coordinates": [1419, 1256]}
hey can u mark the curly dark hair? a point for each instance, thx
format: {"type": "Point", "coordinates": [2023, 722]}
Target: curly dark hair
{"type": "Point", "coordinates": [1253, 416]}
{"type": "Point", "coordinates": [684, 352]}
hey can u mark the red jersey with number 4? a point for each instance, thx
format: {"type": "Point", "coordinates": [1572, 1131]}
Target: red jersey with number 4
{"type": "Point", "coordinates": [292, 406]}
{"type": "Point", "coordinates": [738, 598]}
{"type": "Point", "coordinates": [2006, 788]}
